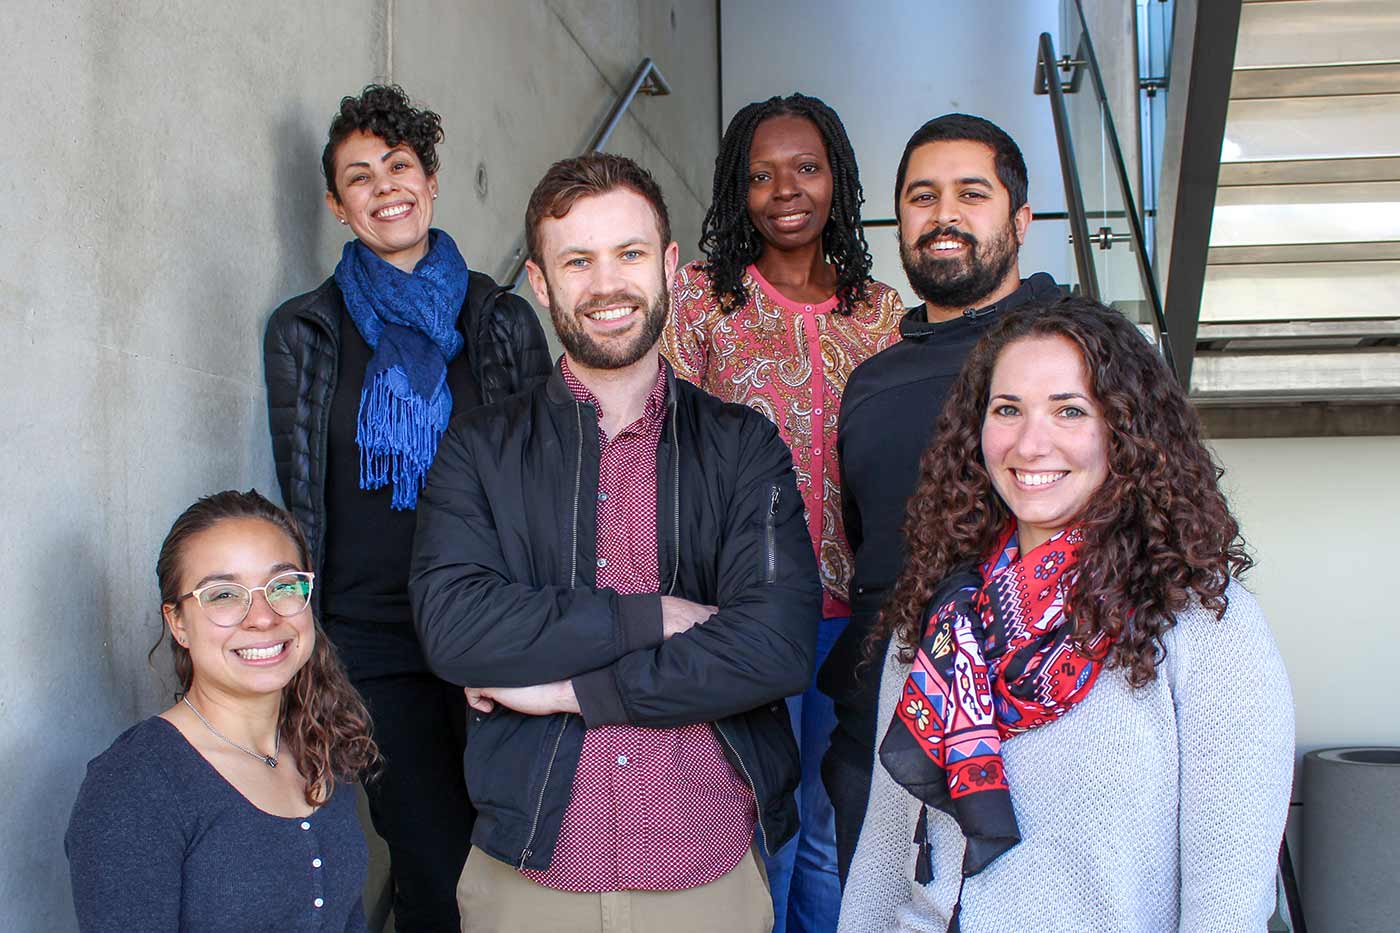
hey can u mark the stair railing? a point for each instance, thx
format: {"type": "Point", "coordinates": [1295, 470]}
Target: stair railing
{"type": "Point", "coordinates": [647, 80]}
{"type": "Point", "coordinates": [1118, 200]}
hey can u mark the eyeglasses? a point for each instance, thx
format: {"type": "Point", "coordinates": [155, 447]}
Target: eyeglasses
{"type": "Point", "coordinates": [227, 604]}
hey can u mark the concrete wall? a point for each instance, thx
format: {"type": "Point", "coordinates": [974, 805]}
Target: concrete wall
{"type": "Point", "coordinates": [1318, 514]}
{"type": "Point", "coordinates": [162, 194]}
{"type": "Point", "coordinates": [886, 66]}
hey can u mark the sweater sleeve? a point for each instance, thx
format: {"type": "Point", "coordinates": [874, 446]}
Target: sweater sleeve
{"type": "Point", "coordinates": [125, 850]}
{"type": "Point", "coordinates": [683, 341]}
{"type": "Point", "coordinates": [878, 885]}
{"type": "Point", "coordinates": [1234, 714]}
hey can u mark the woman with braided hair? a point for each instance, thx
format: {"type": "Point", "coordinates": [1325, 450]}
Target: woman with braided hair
{"type": "Point", "coordinates": [775, 317]}
{"type": "Point", "coordinates": [1090, 729]}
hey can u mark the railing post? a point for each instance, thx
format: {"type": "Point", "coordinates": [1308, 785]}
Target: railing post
{"type": "Point", "coordinates": [647, 79]}
{"type": "Point", "coordinates": [1048, 70]}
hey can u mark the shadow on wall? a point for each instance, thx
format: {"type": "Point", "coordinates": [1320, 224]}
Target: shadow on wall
{"type": "Point", "coordinates": [300, 218]}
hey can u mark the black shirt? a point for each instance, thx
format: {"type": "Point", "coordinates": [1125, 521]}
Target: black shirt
{"type": "Point", "coordinates": [888, 414]}
{"type": "Point", "coordinates": [364, 576]}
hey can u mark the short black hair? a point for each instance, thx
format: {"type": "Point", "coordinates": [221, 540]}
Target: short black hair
{"type": "Point", "coordinates": [383, 111]}
{"type": "Point", "coordinates": [1010, 165]}
{"type": "Point", "coordinates": [730, 242]}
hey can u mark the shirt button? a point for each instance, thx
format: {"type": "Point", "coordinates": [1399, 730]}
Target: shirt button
{"type": "Point", "coordinates": [602, 562]}
{"type": "Point", "coordinates": [602, 496]}
{"type": "Point", "coordinates": [817, 451]}
{"type": "Point", "coordinates": [809, 307]}
{"type": "Point", "coordinates": [816, 411]}
{"type": "Point", "coordinates": [622, 761]}
{"type": "Point", "coordinates": [315, 863]}
{"type": "Point", "coordinates": [305, 825]}
{"type": "Point", "coordinates": [319, 902]}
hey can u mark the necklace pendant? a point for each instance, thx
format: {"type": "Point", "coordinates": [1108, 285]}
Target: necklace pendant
{"type": "Point", "coordinates": [269, 761]}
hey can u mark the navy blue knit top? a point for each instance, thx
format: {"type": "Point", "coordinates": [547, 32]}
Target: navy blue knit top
{"type": "Point", "coordinates": [159, 841]}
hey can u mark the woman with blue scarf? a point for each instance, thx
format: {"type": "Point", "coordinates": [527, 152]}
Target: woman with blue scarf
{"type": "Point", "coordinates": [363, 375]}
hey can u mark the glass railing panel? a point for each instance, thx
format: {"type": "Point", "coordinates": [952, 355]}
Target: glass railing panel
{"type": "Point", "coordinates": [1331, 213]}
{"type": "Point", "coordinates": [1312, 128]}
{"type": "Point", "coordinates": [1300, 291]}
{"type": "Point", "coordinates": [1317, 32]}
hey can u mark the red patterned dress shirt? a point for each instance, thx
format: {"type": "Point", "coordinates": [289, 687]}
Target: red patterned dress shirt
{"type": "Point", "coordinates": [651, 809]}
{"type": "Point", "coordinates": [789, 360]}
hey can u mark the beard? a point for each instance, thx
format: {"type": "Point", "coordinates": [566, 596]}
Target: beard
{"type": "Point", "coordinates": [963, 281]}
{"type": "Point", "coordinates": [619, 352]}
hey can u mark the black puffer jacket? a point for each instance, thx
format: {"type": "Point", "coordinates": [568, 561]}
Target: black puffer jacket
{"type": "Point", "coordinates": [503, 588]}
{"type": "Point", "coordinates": [505, 348]}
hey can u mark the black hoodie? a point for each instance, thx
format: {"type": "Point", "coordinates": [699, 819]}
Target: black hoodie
{"type": "Point", "coordinates": [888, 412]}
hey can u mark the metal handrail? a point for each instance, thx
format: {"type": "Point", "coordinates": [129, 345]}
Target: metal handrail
{"type": "Point", "coordinates": [648, 80]}
{"type": "Point", "coordinates": [1047, 81]}
{"type": "Point", "coordinates": [1047, 75]}
{"type": "Point", "coordinates": [1135, 228]}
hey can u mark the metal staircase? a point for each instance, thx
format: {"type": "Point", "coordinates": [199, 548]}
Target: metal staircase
{"type": "Point", "coordinates": [1301, 300]}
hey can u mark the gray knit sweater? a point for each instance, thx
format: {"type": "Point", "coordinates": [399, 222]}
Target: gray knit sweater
{"type": "Point", "coordinates": [1142, 811]}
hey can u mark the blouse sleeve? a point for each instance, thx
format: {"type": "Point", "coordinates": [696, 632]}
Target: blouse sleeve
{"type": "Point", "coordinates": [1234, 713]}
{"type": "Point", "coordinates": [683, 341]}
{"type": "Point", "coordinates": [125, 850]}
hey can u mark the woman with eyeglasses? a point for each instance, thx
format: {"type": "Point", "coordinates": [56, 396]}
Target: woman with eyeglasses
{"type": "Point", "coordinates": [233, 810]}
{"type": "Point", "coordinates": [363, 375]}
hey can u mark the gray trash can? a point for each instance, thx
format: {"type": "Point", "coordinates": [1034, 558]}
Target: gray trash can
{"type": "Point", "coordinates": [1351, 840]}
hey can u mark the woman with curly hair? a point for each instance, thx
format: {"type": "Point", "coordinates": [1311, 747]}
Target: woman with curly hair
{"type": "Point", "coordinates": [1090, 727]}
{"type": "Point", "coordinates": [363, 374]}
{"type": "Point", "coordinates": [235, 808]}
{"type": "Point", "coordinates": [776, 317]}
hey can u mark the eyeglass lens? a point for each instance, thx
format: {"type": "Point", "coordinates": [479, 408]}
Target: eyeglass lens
{"type": "Point", "coordinates": [227, 604]}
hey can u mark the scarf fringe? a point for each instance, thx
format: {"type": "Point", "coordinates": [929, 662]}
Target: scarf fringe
{"type": "Point", "coordinates": [398, 433]}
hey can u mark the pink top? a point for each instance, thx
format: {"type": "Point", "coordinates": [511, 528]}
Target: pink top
{"type": "Point", "coordinates": [789, 360]}
{"type": "Point", "coordinates": [650, 809]}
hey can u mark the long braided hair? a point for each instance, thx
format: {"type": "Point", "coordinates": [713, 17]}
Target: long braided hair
{"type": "Point", "coordinates": [730, 242]}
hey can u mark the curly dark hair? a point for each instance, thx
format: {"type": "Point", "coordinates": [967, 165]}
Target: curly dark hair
{"type": "Point", "coordinates": [323, 719]}
{"type": "Point", "coordinates": [730, 242]}
{"type": "Point", "coordinates": [1158, 533]}
{"type": "Point", "coordinates": [383, 111]}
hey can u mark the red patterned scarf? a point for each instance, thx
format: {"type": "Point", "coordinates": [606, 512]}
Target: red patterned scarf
{"type": "Point", "coordinates": [995, 660]}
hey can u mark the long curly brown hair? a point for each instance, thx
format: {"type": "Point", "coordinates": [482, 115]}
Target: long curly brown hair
{"type": "Point", "coordinates": [324, 723]}
{"type": "Point", "coordinates": [1158, 533]}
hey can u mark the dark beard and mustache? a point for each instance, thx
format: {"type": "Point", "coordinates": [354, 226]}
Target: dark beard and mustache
{"type": "Point", "coordinates": [964, 281]}
{"type": "Point", "coordinates": [614, 354]}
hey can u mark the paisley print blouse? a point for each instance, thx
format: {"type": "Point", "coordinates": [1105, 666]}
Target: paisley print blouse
{"type": "Point", "coordinates": [789, 360]}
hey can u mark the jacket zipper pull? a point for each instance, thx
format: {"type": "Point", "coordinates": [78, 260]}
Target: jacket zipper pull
{"type": "Point", "coordinates": [773, 504]}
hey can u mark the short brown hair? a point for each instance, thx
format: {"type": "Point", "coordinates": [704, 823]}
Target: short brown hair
{"type": "Point", "coordinates": [587, 176]}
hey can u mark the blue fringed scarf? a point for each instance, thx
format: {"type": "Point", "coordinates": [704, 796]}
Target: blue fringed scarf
{"type": "Point", "coordinates": [410, 322]}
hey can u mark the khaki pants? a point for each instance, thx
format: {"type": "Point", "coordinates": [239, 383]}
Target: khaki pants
{"type": "Point", "coordinates": [495, 898]}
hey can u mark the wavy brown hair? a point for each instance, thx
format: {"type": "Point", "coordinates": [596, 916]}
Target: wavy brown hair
{"type": "Point", "coordinates": [1158, 533]}
{"type": "Point", "coordinates": [323, 720]}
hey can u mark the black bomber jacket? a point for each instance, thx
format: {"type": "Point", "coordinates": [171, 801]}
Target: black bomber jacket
{"type": "Point", "coordinates": [505, 348]}
{"type": "Point", "coordinates": [503, 588]}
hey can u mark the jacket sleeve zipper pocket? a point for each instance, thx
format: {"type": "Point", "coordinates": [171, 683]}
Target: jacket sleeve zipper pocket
{"type": "Point", "coordinates": [770, 537]}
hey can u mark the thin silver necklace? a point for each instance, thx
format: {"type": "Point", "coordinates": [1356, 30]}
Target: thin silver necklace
{"type": "Point", "coordinates": [269, 760]}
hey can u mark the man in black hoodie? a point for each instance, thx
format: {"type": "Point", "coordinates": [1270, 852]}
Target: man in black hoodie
{"type": "Point", "coordinates": [960, 198]}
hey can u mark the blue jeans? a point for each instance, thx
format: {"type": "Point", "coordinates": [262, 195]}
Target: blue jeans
{"type": "Point", "coordinates": [802, 874]}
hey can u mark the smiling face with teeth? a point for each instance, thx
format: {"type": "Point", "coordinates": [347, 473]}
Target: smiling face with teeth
{"type": "Point", "coordinates": [790, 183]}
{"type": "Point", "coordinates": [385, 196]}
{"type": "Point", "coordinates": [1044, 438]}
{"type": "Point", "coordinates": [959, 240]}
{"type": "Point", "coordinates": [259, 656]}
{"type": "Point", "coordinates": [602, 273]}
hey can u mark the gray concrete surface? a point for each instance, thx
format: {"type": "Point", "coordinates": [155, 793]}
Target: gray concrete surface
{"type": "Point", "coordinates": [162, 194]}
